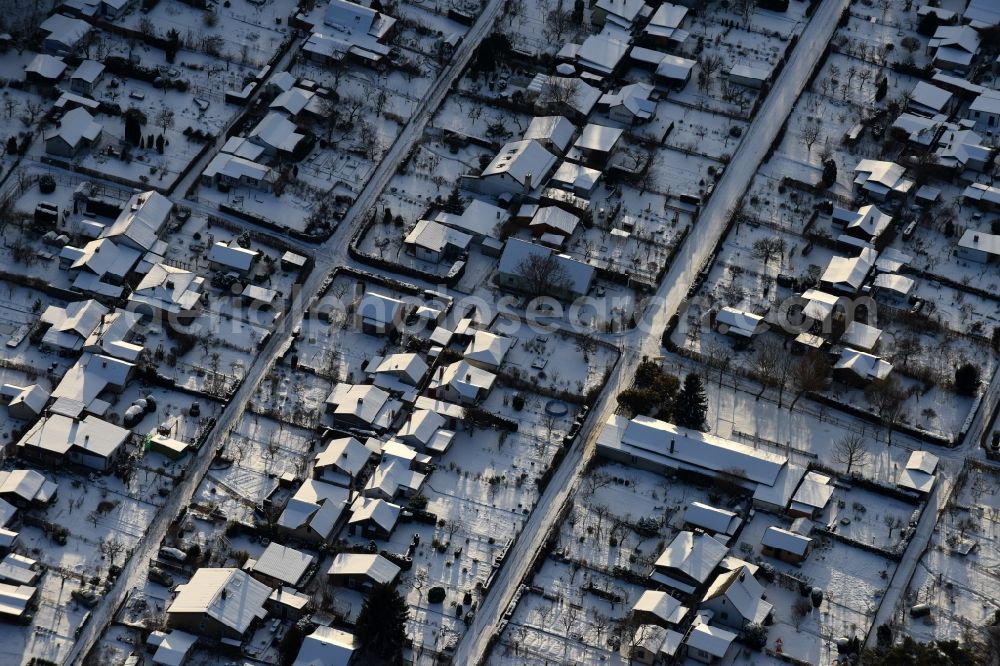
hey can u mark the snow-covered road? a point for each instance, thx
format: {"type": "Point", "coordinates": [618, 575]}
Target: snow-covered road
{"type": "Point", "coordinates": [644, 340]}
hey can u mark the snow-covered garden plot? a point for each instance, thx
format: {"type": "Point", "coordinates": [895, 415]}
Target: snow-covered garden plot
{"type": "Point", "coordinates": [567, 622]}
{"type": "Point", "coordinates": [853, 580]}
{"type": "Point", "coordinates": [702, 132]}
{"type": "Point", "coordinates": [957, 576]}
{"type": "Point", "coordinates": [53, 628]}
{"type": "Point", "coordinates": [675, 173]}
{"type": "Point", "coordinates": [530, 27]}
{"type": "Point", "coordinates": [245, 32]}
{"type": "Point", "coordinates": [867, 517]}
{"type": "Point", "coordinates": [472, 116]}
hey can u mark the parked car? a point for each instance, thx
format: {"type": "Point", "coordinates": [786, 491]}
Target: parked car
{"type": "Point", "coordinates": [87, 597]}
{"type": "Point", "coordinates": [160, 576]}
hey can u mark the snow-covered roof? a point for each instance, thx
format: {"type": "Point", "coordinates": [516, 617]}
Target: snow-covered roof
{"type": "Point", "coordinates": [111, 333]}
{"type": "Point", "coordinates": [881, 177]}
{"type": "Point", "coordinates": [232, 255]}
{"type": "Point", "coordinates": [89, 376]}
{"type": "Point", "coordinates": [961, 38]}
{"type": "Point", "coordinates": [65, 30]}
{"type": "Point", "coordinates": [75, 126]}
{"type": "Point", "coordinates": [236, 168]}
{"type": "Point", "coordinates": [34, 397]}
{"type": "Point", "coordinates": [711, 640]}
{"type": "Point", "coordinates": [69, 326]}
{"type": "Point", "coordinates": [861, 336]}
{"type": "Point", "coordinates": [741, 323]}
{"type": "Point", "coordinates": [675, 67]}
{"type": "Point", "coordinates": [598, 138]}
{"type": "Point", "coordinates": [283, 563]}
{"type": "Point", "coordinates": [407, 366]}
{"type": "Point", "coordinates": [893, 282]}
{"type": "Point", "coordinates": [464, 378]}
{"type": "Point", "coordinates": [326, 646]}
{"type": "Point", "coordinates": [849, 273]}
{"type": "Point", "coordinates": [28, 484]}
{"type": "Point", "coordinates": [868, 220]}
{"type": "Point", "coordinates": [661, 605]}
{"type": "Point", "coordinates": [986, 102]}
{"type": "Point", "coordinates": [695, 555]}
{"type": "Point", "coordinates": [665, 21]}
{"type": "Point", "coordinates": [18, 569]}
{"type": "Point", "coordinates": [346, 454]}
{"type": "Point", "coordinates": [556, 129]}
{"type": "Point", "coordinates": [929, 96]}
{"type": "Point", "coordinates": [436, 237]}
{"type": "Point", "coordinates": [14, 599]}
{"type": "Point", "coordinates": [582, 96]}
{"type": "Point", "coordinates": [291, 101]}
{"type": "Point", "coordinates": [573, 175]}
{"type": "Point", "coordinates": [479, 218]}
{"type": "Point", "coordinates": [982, 14]}
{"type": "Point", "coordinates": [814, 491]}
{"type": "Point", "coordinates": [88, 71]}
{"type": "Point", "coordinates": [372, 566]}
{"type": "Point", "coordinates": [958, 147]}
{"type": "Point", "coordinates": [173, 649]}
{"type": "Point", "coordinates": [421, 426]}
{"type": "Point", "coordinates": [524, 161]}
{"type": "Point", "coordinates": [58, 434]}
{"type": "Point", "coordinates": [982, 192]}
{"type": "Point", "coordinates": [602, 52]}
{"type": "Point", "coordinates": [378, 511]}
{"type": "Point", "coordinates": [102, 257]}
{"type": "Point", "coordinates": [560, 221]}
{"type": "Point", "coordinates": [865, 366]}
{"type": "Point", "coordinates": [355, 20]}
{"type": "Point", "coordinates": [786, 540]}
{"type": "Point", "coordinates": [919, 471]}
{"type": "Point", "coordinates": [140, 223]}
{"type": "Point", "coordinates": [392, 477]}
{"type": "Point", "coordinates": [229, 596]}
{"type": "Point", "coordinates": [46, 66]}
{"type": "Point", "coordinates": [922, 461]}
{"type": "Point", "coordinates": [379, 308]}
{"type": "Point", "coordinates": [277, 132]}
{"type": "Point", "coordinates": [242, 147]}
{"type": "Point", "coordinates": [753, 71]}
{"type": "Point", "coordinates": [168, 289]}
{"type": "Point", "coordinates": [742, 590]}
{"type": "Point", "coordinates": [317, 505]}
{"type": "Point", "coordinates": [719, 521]}
{"type": "Point", "coordinates": [488, 348]}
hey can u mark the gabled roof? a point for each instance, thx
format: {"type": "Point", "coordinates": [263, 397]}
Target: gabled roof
{"type": "Point", "coordinates": [237, 168]}
{"type": "Point", "coordinates": [46, 66]}
{"type": "Point", "coordinates": [865, 366]}
{"type": "Point", "coordinates": [65, 29]}
{"type": "Point", "coordinates": [695, 555]}
{"type": "Point", "coordinates": [560, 221]}
{"type": "Point", "coordinates": [379, 308]}
{"type": "Point", "coordinates": [169, 289]}
{"type": "Point", "coordinates": [522, 160]}
{"type": "Point", "coordinates": [881, 176]}
{"type": "Point", "coordinates": [326, 646]}
{"type": "Point", "coordinates": [276, 131]}
{"type": "Point", "coordinates": [436, 237]}
{"type": "Point", "coordinates": [14, 599]}
{"type": "Point", "coordinates": [174, 648]}
{"type": "Point", "coordinates": [364, 402]}
{"type": "Point", "coordinates": [741, 323]}
{"type": "Point", "coordinates": [480, 218]}
{"type": "Point", "coordinates": [861, 336]}
{"type": "Point", "coordinates": [103, 257]}
{"type": "Point", "coordinates": [391, 477]}
{"type": "Point", "coordinates": [742, 590]}
{"type": "Point", "coordinates": [719, 521]}
{"type": "Point", "coordinates": [232, 255]}
{"type": "Point", "coordinates": [317, 505]}
{"type": "Point", "coordinates": [69, 326]}
{"type": "Point", "coordinates": [466, 379]}
{"type": "Point", "coordinates": [28, 484]}
{"type": "Point", "coordinates": [814, 491]}
{"type": "Point", "coordinates": [712, 640]}
{"type": "Point", "coordinates": [958, 37]}
{"type": "Point", "coordinates": [91, 375]}
{"type": "Point", "coordinates": [516, 250]}
{"type": "Point", "coordinates": [58, 434]}
{"type": "Point", "coordinates": [346, 454]}
{"type": "Point", "coordinates": [557, 129]}
{"type": "Point", "coordinates": [661, 605]}
{"type": "Point", "coordinates": [378, 511]}
{"type": "Point", "coordinates": [229, 596]}
{"type": "Point", "coordinates": [74, 127]}
{"type": "Point", "coordinates": [850, 272]}
{"type": "Point", "coordinates": [786, 540]}
{"type": "Point", "coordinates": [372, 566]}
{"type": "Point", "coordinates": [405, 365]}
{"type": "Point", "coordinates": [88, 70]}
{"type": "Point", "coordinates": [488, 348]}
{"type": "Point", "coordinates": [142, 219]}
{"type": "Point", "coordinates": [292, 101]}
{"type": "Point", "coordinates": [283, 563]}
{"type": "Point", "coordinates": [919, 472]}
{"type": "Point", "coordinates": [421, 426]}
{"type": "Point", "coordinates": [602, 52]}
{"type": "Point", "coordinates": [635, 97]}
{"type": "Point", "coordinates": [929, 96]}
{"type": "Point", "coordinates": [598, 138]}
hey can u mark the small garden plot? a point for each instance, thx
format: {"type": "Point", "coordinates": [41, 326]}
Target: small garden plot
{"type": "Point", "coordinates": [957, 576]}
{"type": "Point", "coordinates": [852, 580]}
{"type": "Point", "coordinates": [243, 32]}
{"type": "Point", "coordinates": [678, 173]}
{"type": "Point", "coordinates": [468, 116]}
{"type": "Point", "coordinates": [52, 631]}
{"type": "Point", "coordinates": [293, 397]}
{"type": "Point", "coordinates": [260, 448]}
{"type": "Point", "coordinates": [606, 531]}
{"type": "Point", "coordinates": [884, 35]}
{"type": "Point", "coordinates": [298, 204]}
{"type": "Point", "coordinates": [934, 252]}
{"type": "Point", "coordinates": [428, 21]}
{"type": "Point", "coordinates": [572, 620]}
{"type": "Point", "coordinates": [867, 517]}
{"type": "Point", "coordinates": [530, 26]}
{"type": "Point", "coordinates": [765, 22]}
{"type": "Point", "coordinates": [554, 362]}
{"type": "Point", "coordinates": [699, 131]}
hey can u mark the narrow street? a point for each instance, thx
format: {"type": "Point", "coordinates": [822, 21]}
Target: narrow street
{"type": "Point", "coordinates": [644, 340]}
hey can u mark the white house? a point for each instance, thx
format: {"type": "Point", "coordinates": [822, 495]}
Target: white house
{"type": "Point", "coordinates": [75, 131]}
{"type": "Point", "coordinates": [435, 242]}
{"type": "Point", "coordinates": [86, 76]}
{"type": "Point", "coordinates": [985, 112]}
{"type": "Point", "coordinates": [520, 167]}
{"type": "Point", "coordinates": [978, 246]}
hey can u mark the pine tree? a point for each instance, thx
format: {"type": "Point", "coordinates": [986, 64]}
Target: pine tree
{"type": "Point", "coordinates": [691, 405]}
{"type": "Point", "coordinates": [380, 626]}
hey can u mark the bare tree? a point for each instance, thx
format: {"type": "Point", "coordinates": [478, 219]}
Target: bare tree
{"type": "Point", "coordinates": [766, 361]}
{"type": "Point", "coordinates": [542, 275]}
{"type": "Point", "coordinates": [809, 373]}
{"type": "Point", "coordinates": [165, 118]}
{"type": "Point", "coordinates": [709, 65]}
{"type": "Point", "coordinates": [560, 91]}
{"type": "Point", "coordinates": [852, 452]}
{"type": "Point", "coordinates": [887, 397]}
{"type": "Point", "coordinates": [809, 135]}
{"type": "Point", "coordinates": [765, 249]}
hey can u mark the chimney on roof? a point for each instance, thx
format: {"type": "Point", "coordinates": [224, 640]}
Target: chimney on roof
{"type": "Point", "coordinates": [361, 401]}
{"type": "Point", "coordinates": [170, 284]}
{"type": "Point", "coordinates": [671, 446]}
{"type": "Point", "coordinates": [527, 181]}
{"type": "Point", "coordinates": [975, 238]}
{"type": "Point", "coordinates": [743, 575]}
{"type": "Point", "coordinates": [468, 377]}
{"type": "Point", "coordinates": [225, 592]}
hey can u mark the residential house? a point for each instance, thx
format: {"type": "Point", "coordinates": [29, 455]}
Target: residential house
{"type": "Point", "coordinates": [26, 403]}
{"type": "Point", "coordinates": [362, 571]}
{"type": "Point", "coordinates": [519, 168]}
{"type": "Point", "coordinates": [736, 600]}
{"type": "Point", "coordinates": [517, 258]}
{"type": "Point", "coordinates": [986, 197]}
{"type": "Point", "coordinates": [646, 644]}
{"type": "Point", "coordinates": [892, 289]}
{"type": "Point", "coordinates": [168, 294]}
{"type": "Point", "coordinates": [961, 149]}
{"type": "Point", "coordinates": [231, 258]}
{"type": "Point", "coordinates": [861, 337]}
{"type": "Point", "coordinates": [25, 489]}
{"type": "Point", "coordinates": [219, 604]}
{"type": "Point", "coordinates": [708, 644]}
{"type": "Point", "coordinates": [380, 314]}
{"type": "Point", "coordinates": [551, 220]}
{"type": "Point", "coordinates": [617, 13]}
{"type": "Point", "coordinates": [362, 406]}
{"type": "Point", "coordinates": [90, 385]}
{"type": "Point", "coordinates": [554, 133]}
{"type": "Point", "coordinates": [860, 369]}
{"type": "Point", "coordinates": [674, 71]}
{"type": "Point", "coordinates": [114, 336]}
{"type": "Point", "coordinates": [688, 562]}
{"type": "Point", "coordinates": [978, 246]}
{"type": "Point", "coordinates": [847, 275]}
{"type": "Point", "coordinates": [631, 104]}
{"type": "Point", "coordinates": [868, 223]}
{"type": "Point", "coordinates": [739, 323]}
{"type": "Point", "coordinates": [57, 440]}
{"type": "Point", "coordinates": [568, 96]}
{"type": "Point", "coordinates": [44, 70]}
{"type": "Point", "coordinates": [69, 326]}
{"type": "Point", "coordinates": [658, 607]}
{"type": "Point", "coordinates": [664, 27]}
{"type": "Point", "coordinates": [785, 545]}
{"type": "Point", "coordinates": [718, 522]}
{"type": "Point", "coordinates": [75, 131]}
{"type": "Point", "coordinates": [752, 75]}
{"type": "Point", "coordinates": [595, 144]}
{"type": "Point", "coordinates": [362, 24]}
{"type": "Point", "coordinates": [86, 77]}
{"type": "Point", "coordinates": [140, 222]}
{"type": "Point", "coordinates": [280, 565]}
{"type": "Point", "coordinates": [376, 518]}
{"type": "Point", "coordinates": [881, 180]}
{"type": "Point", "coordinates": [172, 648]}
{"type": "Point", "coordinates": [327, 646]}
{"type": "Point", "coordinates": [63, 33]}
{"type": "Point", "coordinates": [954, 46]}
{"type": "Point", "coordinates": [985, 112]}
{"type": "Point", "coordinates": [601, 54]}
{"type": "Point", "coordinates": [918, 475]}
{"type": "Point", "coordinates": [929, 100]}
{"type": "Point", "coordinates": [314, 512]}
{"type": "Point", "coordinates": [226, 171]}
{"type": "Point", "coordinates": [487, 350]}
{"type": "Point", "coordinates": [461, 382]}
{"type": "Point", "coordinates": [392, 479]}
{"type": "Point", "coordinates": [16, 601]}
{"type": "Point", "coordinates": [425, 430]}
{"type": "Point", "coordinates": [812, 496]}
{"type": "Point", "coordinates": [576, 178]}
{"type": "Point", "coordinates": [278, 136]}
{"type": "Point", "coordinates": [434, 242]}
{"type": "Point", "coordinates": [341, 461]}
